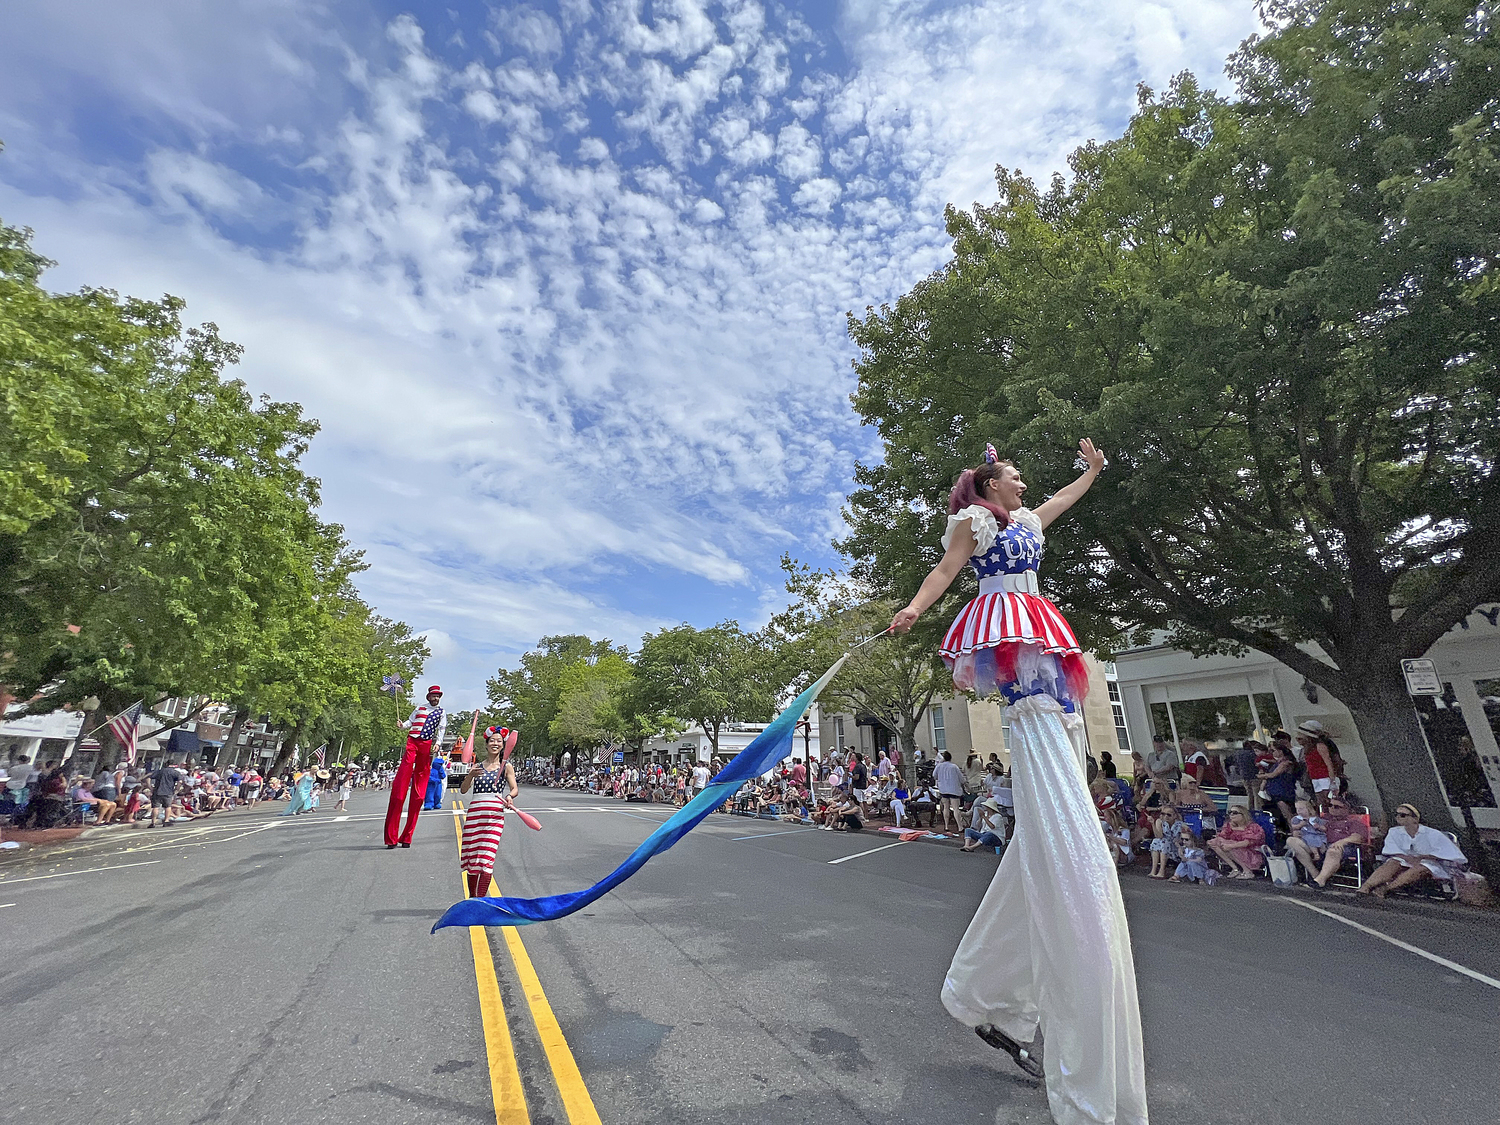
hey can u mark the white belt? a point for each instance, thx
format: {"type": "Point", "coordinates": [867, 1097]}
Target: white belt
{"type": "Point", "coordinates": [1023, 583]}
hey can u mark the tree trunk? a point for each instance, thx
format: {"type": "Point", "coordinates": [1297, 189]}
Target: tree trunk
{"type": "Point", "coordinates": [1388, 727]}
{"type": "Point", "coordinates": [1404, 767]}
{"type": "Point", "coordinates": [288, 744]}
{"type": "Point", "coordinates": [230, 743]}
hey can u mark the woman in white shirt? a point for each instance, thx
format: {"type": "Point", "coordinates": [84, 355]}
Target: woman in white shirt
{"type": "Point", "coordinates": [1413, 851]}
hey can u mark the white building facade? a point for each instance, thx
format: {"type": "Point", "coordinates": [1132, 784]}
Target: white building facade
{"type": "Point", "coordinates": [1217, 701]}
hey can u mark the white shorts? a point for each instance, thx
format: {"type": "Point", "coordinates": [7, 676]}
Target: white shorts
{"type": "Point", "coordinates": [859, 794]}
{"type": "Point", "coordinates": [1322, 784]}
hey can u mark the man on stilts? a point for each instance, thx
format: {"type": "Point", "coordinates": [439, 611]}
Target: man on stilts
{"type": "Point", "coordinates": [424, 728]}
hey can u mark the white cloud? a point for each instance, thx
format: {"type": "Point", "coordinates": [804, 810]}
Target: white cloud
{"type": "Point", "coordinates": [817, 196]}
{"type": "Point", "coordinates": [565, 257]}
{"type": "Point", "coordinates": [798, 154]}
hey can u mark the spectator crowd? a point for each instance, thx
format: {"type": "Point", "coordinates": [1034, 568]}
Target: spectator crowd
{"type": "Point", "coordinates": [1283, 811]}
{"type": "Point", "coordinates": [51, 795]}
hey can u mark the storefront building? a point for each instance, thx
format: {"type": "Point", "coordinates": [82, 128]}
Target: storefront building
{"type": "Point", "coordinates": [1218, 701]}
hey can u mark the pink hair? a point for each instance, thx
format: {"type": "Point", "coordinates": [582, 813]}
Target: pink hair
{"type": "Point", "coordinates": [965, 492]}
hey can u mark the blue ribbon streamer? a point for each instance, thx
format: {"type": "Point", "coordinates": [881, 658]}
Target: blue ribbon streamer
{"type": "Point", "coordinates": [769, 747]}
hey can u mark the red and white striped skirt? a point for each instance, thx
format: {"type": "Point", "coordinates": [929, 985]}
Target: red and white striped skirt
{"type": "Point", "coordinates": [1017, 643]}
{"type": "Point", "coordinates": [1005, 616]}
{"type": "Point", "coordinates": [484, 821]}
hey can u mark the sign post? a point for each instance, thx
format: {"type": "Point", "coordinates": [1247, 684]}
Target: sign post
{"type": "Point", "coordinates": [1421, 677]}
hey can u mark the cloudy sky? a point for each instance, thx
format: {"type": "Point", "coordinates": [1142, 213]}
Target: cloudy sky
{"type": "Point", "coordinates": [565, 284]}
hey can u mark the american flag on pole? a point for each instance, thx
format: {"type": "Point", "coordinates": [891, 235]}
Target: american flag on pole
{"type": "Point", "coordinates": [319, 754]}
{"type": "Point", "coordinates": [124, 726]}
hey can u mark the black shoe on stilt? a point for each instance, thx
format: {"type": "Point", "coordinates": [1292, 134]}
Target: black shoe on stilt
{"type": "Point", "coordinates": [1025, 1058]}
{"type": "Point", "coordinates": [406, 845]}
{"type": "Point", "coordinates": [388, 847]}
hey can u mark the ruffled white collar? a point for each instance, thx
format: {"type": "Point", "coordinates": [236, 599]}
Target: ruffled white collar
{"type": "Point", "coordinates": [987, 528]}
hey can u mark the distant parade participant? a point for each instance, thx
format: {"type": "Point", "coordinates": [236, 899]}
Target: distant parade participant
{"type": "Point", "coordinates": [1049, 946]}
{"type": "Point", "coordinates": [437, 778]}
{"type": "Point", "coordinates": [491, 786]}
{"type": "Point", "coordinates": [423, 729]}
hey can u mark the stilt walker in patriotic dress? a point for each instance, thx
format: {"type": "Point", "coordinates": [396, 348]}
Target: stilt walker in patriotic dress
{"type": "Point", "coordinates": [424, 728]}
{"type": "Point", "coordinates": [491, 787]}
{"type": "Point", "coordinates": [1049, 946]}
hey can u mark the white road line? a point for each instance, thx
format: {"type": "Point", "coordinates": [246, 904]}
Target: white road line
{"type": "Point", "coordinates": [1398, 943]}
{"type": "Point", "coordinates": [763, 835]}
{"type": "Point", "coordinates": [85, 871]}
{"type": "Point", "coordinates": [337, 819]}
{"type": "Point", "coordinates": [3, 905]}
{"type": "Point", "coordinates": [872, 851]}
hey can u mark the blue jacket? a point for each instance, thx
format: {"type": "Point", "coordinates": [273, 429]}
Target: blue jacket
{"type": "Point", "coordinates": [439, 771]}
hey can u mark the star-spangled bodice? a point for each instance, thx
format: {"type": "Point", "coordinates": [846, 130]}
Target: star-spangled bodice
{"type": "Point", "coordinates": [1016, 549]}
{"type": "Point", "coordinates": [489, 781]}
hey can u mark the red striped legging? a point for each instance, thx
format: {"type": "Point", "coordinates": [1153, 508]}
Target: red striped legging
{"type": "Point", "coordinates": [484, 821]}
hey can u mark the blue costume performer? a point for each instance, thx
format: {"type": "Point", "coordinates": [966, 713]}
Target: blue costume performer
{"type": "Point", "coordinates": [437, 778]}
{"type": "Point", "coordinates": [1049, 946]}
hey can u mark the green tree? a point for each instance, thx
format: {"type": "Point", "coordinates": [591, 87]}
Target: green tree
{"type": "Point", "coordinates": [158, 536]}
{"type": "Point", "coordinates": [1279, 316]}
{"type": "Point", "coordinates": [529, 694]}
{"type": "Point", "coordinates": [591, 705]}
{"type": "Point", "coordinates": [157, 528]}
{"type": "Point", "coordinates": [708, 676]}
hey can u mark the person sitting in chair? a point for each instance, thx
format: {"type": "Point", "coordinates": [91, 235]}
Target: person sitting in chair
{"type": "Point", "coordinates": [1345, 834]}
{"type": "Point", "coordinates": [1413, 851]}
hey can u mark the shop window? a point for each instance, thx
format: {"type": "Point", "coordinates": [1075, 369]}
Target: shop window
{"type": "Point", "coordinates": [1117, 705]}
{"type": "Point", "coordinates": [1453, 749]}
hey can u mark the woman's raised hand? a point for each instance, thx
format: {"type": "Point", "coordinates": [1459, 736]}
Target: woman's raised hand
{"type": "Point", "coordinates": [1092, 454]}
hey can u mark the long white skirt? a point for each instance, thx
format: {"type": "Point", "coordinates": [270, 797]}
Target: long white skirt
{"type": "Point", "coordinates": [1049, 944]}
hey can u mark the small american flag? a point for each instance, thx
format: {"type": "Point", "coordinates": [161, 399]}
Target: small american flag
{"type": "Point", "coordinates": [319, 754]}
{"type": "Point", "coordinates": [124, 726]}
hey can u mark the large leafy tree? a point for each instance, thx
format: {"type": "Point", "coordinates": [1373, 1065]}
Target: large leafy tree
{"type": "Point", "coordinates": [708, 676]}
{"type": "Point", "coordinates": [158, 536]}
{"type": "Point", "coordinates": [528, 695]}
{"type": "Point", "coordinates": [157, 528]}
{"type": "Point", "coordinates": [593, 706]}
{"type": "Point", "coordinates": [1280, 316]}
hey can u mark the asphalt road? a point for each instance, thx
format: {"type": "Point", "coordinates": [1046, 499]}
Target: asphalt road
{"type": "Point", "coordinates": [252, 968]}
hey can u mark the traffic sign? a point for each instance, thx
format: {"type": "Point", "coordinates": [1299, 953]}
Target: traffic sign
{"type": "Point", "coordinates": [1421, 677]}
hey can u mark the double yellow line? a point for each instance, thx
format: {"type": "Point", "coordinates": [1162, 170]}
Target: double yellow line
{"type": "Point", "coordinates": [505, 1076]}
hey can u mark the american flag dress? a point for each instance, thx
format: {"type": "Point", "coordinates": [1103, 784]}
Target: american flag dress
{"type": "Point", "coordinates": [484, 821]}
{"type": "Point", "coordinates": [1010, 638]}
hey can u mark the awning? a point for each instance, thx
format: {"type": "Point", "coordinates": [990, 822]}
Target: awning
{"type": "Point", "coordinates": [182, 743]}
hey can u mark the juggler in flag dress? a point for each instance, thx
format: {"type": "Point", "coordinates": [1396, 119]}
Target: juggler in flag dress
{"type": "Point", "coordinates": [1049, 944]}
{"type": "Point", "coordinates": [484, 821]}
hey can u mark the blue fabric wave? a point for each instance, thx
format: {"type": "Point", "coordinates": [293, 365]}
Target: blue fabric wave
{"type": "Point", "coordinates": [769, 747]}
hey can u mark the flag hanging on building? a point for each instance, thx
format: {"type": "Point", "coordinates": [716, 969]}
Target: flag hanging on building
{"type": "Point", "coordinates": [124, 727]}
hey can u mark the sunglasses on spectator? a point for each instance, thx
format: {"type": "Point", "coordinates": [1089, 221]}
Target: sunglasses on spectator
{"type": "Point", "coordinates": [1404, 815]}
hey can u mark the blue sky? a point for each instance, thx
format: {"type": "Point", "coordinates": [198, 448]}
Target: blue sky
{"type": "Point", "coordinates": [565, 282]}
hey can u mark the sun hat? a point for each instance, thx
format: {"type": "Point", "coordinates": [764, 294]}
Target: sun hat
{"type": "Point", "coordinates": [1312, 727]}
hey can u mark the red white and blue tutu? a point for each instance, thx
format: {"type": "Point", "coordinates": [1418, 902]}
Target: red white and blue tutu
{"type": "Point", "coordinates": [1010, 638]}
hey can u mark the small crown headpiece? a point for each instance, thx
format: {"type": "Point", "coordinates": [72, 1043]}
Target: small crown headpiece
{"type": "Point", "coordinates": [990, 456]}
